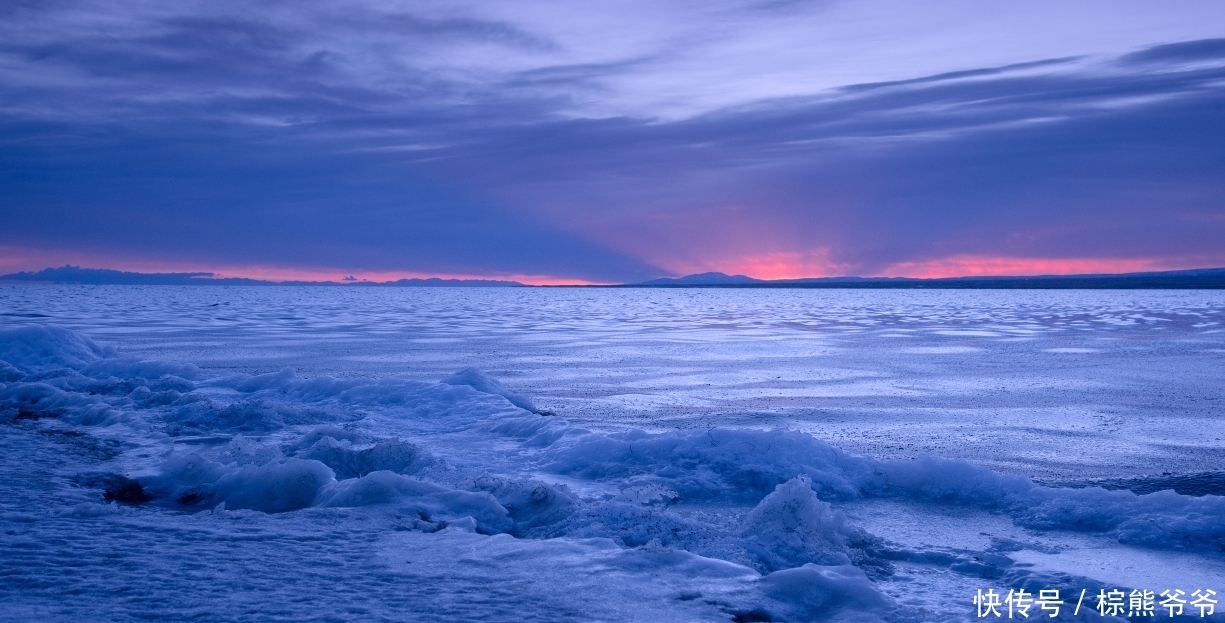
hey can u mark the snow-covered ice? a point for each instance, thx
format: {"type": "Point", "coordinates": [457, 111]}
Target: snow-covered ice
{"type": "Point", "coordinates": [332, 454]}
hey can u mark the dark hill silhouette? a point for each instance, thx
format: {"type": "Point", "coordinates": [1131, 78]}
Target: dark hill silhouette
{"type": "Point", "coordinates": [1197, 279]}
{"type": "Point", "coordinates": [104, 276]}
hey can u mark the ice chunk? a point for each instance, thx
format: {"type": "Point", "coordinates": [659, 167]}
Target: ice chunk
{"type": "Point", "coordinates": [274, 487]}
{"type": "Point", "coordinates": [947, 480]}
{"type": "Point", "coordinates": [8, 373]}
{"type": "Point", "coordinates": [429, 501]}
{"type": "Point", "coordinates": [272, 380]}
{"type": "Point", "coordinates": [820, 593]}
{"type": "Point", "coordinates": [39, 348]}
{"type": "Point", "coordinates": [649, 495]}
{"type": "Point", "coordinates": [636, 525]}
{"type": "Point", "coordinates": [713, 463]}
{"type": "Point", "coordinates": [480, 382]}
{"type": "Point", "coordinates": [93, 509]}
{"type": "Point", "coordinates": [791, 527]}
{"type": "Point", "coordinates": [319, 432]}
{"type": "Point", "coordinates": [250, 415]}
{"type": "Point", "coordinates": [1163, 519]}
{"type": "Point", "coordinates": [349, 462]}
{"type": "Point", "coordinates": [279, 485]}
{"type": "Point", "coordinates": [123, 368]}
{"type": "Point", "coordinates": [531, 503]}
{"type": "Point", "coordinates": [40, 400]}
{"type": "Point", "coordinates": [243, 451]}
{"type": "Point", "coordinates": [182, 471]}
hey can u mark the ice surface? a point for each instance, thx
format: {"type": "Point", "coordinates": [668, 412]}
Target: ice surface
{"type": "Point", "coordinates": [1137, 394]}
{"type": "Point", "coordinates": [139, 482]}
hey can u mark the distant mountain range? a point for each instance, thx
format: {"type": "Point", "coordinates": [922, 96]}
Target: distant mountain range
{"type": "Point", "coordinates": [1199, 279]}
{"type": "Point", "coordinates": [702, 280]}
{"type": "Point", "coordinates": [102, 276]}
{"type": "Point", "coordinates": [435, 282]}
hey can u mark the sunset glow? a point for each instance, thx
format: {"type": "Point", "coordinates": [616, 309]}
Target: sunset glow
{"type": "Point", "coordinates": [524, 142]}
{"type": "Point", "coordinates": [15, 260]}
{"type": "Point", "coordinates": [987, 266]}
{"type": "Point", "coordinates": [769, 266]}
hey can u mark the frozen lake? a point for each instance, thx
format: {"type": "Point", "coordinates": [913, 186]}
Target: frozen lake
{"type": "Point", "coordinates": [356, 487]}
{"type": "Point", "coordinates": [1050, 384]}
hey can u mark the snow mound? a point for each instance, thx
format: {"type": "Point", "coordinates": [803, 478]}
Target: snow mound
{"type": "Point", "coordinates": [246, 474]}
{"type": "Point", "coordinates": [749, 464]}
{"type": "Point", "coordinates": [1164, 519]}
{"type": "Point", "coordinates": [787, 478]}
{"type": "Point", "coordinates": [276, 486]}
{"type": "Point", "coordinates": [711, 464]}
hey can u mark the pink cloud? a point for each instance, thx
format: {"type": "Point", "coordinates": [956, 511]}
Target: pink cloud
{"type": "Point", "coordinates": [985, 265]}
{"type": "Point", "coordinates": [777, 265]}
{"type": "Point", "coordinates": [821, 263]}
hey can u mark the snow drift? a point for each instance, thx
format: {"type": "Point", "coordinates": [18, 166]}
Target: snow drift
{"type": "Point", "coordinates": [468, 454]}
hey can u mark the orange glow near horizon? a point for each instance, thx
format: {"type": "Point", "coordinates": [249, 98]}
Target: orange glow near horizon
{"type": "Point", "coordinates": [780, 265]}
{"type": "Point", "coordinates": [16, 260]}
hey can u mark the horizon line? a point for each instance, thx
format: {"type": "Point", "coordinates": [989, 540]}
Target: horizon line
{"type": "Point", "coordinates": [202, 277]}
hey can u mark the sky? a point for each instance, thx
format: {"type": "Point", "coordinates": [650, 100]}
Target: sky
{"type": "Point", "coordinates": [606, 142]}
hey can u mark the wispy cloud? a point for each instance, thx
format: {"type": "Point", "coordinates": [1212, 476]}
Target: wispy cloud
{"type": "Point", "coordinates": [614, 141]}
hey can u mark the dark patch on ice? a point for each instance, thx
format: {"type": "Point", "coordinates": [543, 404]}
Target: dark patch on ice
{"type": "Point", "coordinates": [1194, 485]}
{"type": "Point", "coordinates": [194, 496]}
{"type": "Point", "coordinates": [35, 414]}
{"type": "Point", "coordinates": [420, 523]}
{"type": "Point", "coordinates": [102, 449]}
{"type": "Point", "coordinates": [119, 488]}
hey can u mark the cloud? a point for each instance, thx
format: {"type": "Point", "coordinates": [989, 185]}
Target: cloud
{"type": "Point", "coordinates": [1201, 50]}
{"type": "Point", "coordinates": [603, 144]}
{"type": "Point", "coordinates": [1076, 159]}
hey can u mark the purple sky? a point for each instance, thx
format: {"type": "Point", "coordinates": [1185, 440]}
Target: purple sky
{"type": "Point", "coordinates": [604, 142]}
